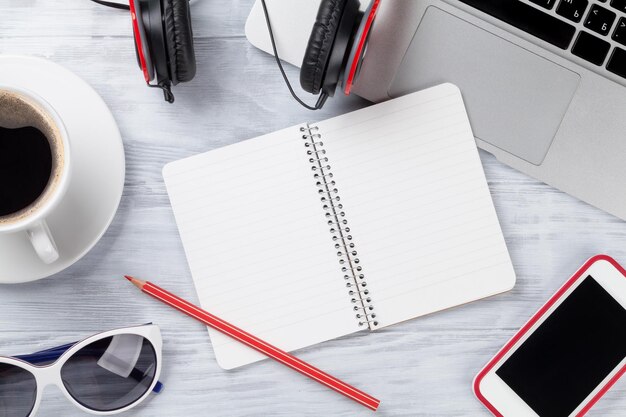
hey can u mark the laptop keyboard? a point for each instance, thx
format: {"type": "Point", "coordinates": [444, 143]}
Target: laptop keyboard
{"type": "Point", "coordinates": [592, 30]}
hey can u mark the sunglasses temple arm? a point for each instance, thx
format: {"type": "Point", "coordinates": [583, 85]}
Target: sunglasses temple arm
{"type": "Point", "coordinates": [45, 355]}
{"type": "Point", "coordinates": [55, 353]}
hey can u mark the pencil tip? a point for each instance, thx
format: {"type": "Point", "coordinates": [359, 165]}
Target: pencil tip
{"type": "Point", "coordinates": [136, 282]}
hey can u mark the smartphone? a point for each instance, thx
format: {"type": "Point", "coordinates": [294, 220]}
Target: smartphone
{"type": "Point", "coordinates": [568, 354]}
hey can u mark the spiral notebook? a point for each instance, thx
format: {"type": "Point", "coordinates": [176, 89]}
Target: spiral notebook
{"type": "Point", "coordinates": [357, 222]}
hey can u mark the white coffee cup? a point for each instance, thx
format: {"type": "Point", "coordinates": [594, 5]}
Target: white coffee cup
{"type": "Point", "coordinates": [20, 108]}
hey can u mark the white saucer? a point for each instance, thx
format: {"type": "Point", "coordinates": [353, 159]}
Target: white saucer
{"type": "Point", "coordinates": [94, 194]}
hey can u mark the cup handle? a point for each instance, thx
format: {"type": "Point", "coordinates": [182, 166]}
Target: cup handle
{"type": "Point", "coordinates": [42, 241]}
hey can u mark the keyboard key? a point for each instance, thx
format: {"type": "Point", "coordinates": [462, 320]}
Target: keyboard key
{"type": "Point", "coordinates": [544, 3]}
{"type": "Point", "coordinates": [617, 62]}
{"type": "Point", "coordinates": [600, 20]}
{"type": "Point", "coordinates": [572, 9]}
{"type": "Point", "coordinates": [619, 5]}
{"type": "Point", "coordinates": [591, 48]}
{"type": "Point", "coordinates": [620, 31]}
{"type": "Point", "coordinates": [528, 19]}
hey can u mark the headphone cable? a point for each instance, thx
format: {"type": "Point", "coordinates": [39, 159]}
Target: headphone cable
{"type": "Point", "coordinates": [112, 4]}
{"type": "Point", "coordinates": [322, 97]}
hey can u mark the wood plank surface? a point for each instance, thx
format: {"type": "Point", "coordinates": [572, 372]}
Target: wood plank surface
{"type": "Point", "coordinates": [421, 368]}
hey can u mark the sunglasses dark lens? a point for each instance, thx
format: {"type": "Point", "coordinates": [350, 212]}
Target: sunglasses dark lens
{"type": "Point", "coordinates": [18, 391]}
{"type": "Point", "coordinates": [111, 373]}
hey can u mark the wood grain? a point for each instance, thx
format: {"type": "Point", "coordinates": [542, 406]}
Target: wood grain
{"type": "Point", "coordinates": [420, 368]}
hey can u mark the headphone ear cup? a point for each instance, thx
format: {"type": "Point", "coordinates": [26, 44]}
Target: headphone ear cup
{"type": "Point", "coordinates": [179, 40]}
{"type": "Point", "coordinates": [318, 50]}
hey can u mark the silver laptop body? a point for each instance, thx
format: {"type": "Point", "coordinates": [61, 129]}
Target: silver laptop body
{"type": "Point", "coordinates": [545, 94]}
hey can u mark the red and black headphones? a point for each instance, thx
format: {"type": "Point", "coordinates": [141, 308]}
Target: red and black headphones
{"type": "Point", "coordinates": [334, 54]}
{"type": "Point", "coordinates": [163, 41]}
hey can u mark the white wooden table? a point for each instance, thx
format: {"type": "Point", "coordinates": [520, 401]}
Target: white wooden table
{"type": "Point", "coordinates": [420, 368]}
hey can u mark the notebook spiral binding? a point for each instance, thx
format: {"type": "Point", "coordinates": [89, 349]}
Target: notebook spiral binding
{"type": "Point", "coordinates": [338, 225]}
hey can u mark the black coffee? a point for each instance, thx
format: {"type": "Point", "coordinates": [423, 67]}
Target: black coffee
{"type": "Point", "coordinates": [25, 167]}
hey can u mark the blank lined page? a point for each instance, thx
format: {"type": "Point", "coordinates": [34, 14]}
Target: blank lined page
{"type": "Point", "coordinates": [256, 240]}
{"type": "Point", "coordinates": [418, 205]}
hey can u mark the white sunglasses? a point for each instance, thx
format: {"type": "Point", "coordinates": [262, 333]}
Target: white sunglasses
{"type": "Point", "coordinates": [104, 374]}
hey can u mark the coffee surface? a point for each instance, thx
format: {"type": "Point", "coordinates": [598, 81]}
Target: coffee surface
{"type": "Point", "coordinates": [25, 167]}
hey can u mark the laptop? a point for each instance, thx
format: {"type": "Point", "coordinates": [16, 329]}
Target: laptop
{"type": "Point", "coordinates": [544, 81]}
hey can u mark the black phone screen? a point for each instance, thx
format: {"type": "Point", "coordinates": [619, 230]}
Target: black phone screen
{"type": "Point", "coordinates": [570, 354]}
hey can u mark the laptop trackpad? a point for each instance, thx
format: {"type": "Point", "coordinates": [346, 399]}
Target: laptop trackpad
{"type": "Point", "coordinates": [515, 99]}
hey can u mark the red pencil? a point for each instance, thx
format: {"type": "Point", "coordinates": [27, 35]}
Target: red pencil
{"type": "Point", "coordinates": [256, 343]}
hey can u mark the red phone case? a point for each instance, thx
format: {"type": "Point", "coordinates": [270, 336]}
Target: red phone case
{"type": "Point", "coordinates": [532, 322]}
